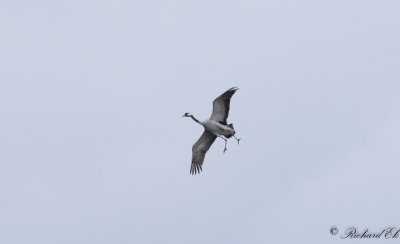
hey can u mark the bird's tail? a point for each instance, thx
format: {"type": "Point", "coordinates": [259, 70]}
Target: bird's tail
{"type": "Point", "coordinates": [231, 126]}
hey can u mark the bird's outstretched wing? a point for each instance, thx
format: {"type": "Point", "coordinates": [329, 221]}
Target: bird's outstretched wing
{"type": "Point", "coordinates": [199, 151]}
{"type": "Point", "coordinates": [221, 106]}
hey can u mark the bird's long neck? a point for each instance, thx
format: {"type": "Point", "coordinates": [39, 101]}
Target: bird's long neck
{"type": "Point", "coordinates": [191, 116]}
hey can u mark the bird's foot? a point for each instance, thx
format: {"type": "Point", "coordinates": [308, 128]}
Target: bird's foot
{"type": "Point", "coordinates": [224, 150]}
{"type": "Point", "coordinates": [238, 140]}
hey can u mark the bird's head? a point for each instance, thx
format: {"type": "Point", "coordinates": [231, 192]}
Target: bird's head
{"type": "Point", "coordinates": [186, 115]}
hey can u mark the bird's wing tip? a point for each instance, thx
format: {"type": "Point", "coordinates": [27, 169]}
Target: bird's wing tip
{"type": "Point", "coordinates": [195, 169]}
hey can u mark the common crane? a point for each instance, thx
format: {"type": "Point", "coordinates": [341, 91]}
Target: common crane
{"type": "Point", "coordinates": [215, 126]}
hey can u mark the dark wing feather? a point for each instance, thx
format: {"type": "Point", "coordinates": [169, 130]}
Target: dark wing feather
{"type": "Point", "coordinates": [199, 151]}
{"type": "Point", "coordinates": [221, 106]}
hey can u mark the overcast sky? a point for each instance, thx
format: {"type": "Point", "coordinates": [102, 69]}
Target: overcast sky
{"type": "Point", "coordinates": [94, 149]}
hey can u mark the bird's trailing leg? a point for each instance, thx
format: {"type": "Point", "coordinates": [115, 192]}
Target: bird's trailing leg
{"type": "Point", "coordinates": [226, 140]}
{"type": "Point", "coordinates": [237, 139]}
{"type": "Point", "coordinates": [225, 146]}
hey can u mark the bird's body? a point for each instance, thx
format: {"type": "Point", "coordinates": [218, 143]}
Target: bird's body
{"type": "Point", "coordinates": [217, 129]}
{"type": "Point", "coordinates": [215, 126]}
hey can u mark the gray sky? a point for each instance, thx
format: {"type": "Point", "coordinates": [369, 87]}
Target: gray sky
{"type": "Point", "coordinates": [94, 150]}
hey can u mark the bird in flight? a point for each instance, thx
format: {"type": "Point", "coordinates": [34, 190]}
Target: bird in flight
{"type": "Point", "coordinates": [215, 126]}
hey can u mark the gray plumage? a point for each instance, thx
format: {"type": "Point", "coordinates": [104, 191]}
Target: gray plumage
{"type": "Point", "coordinates": [199, 151]}
{"type": "Point", "coordinates": [215, 126]}
{"type": "Point", "coordinates": [221, 106]}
